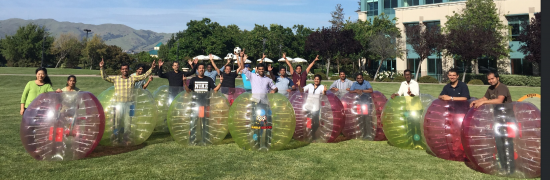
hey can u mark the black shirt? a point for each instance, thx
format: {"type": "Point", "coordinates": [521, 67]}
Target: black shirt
{"type": "Point", "coordinates": [175, 79]}
{"type": "Point", "coordinates": [461, 90]}
{"type": "Point", "coordinates": [203, 84]}
{"type": "Point", "coordinates": [229, 79]}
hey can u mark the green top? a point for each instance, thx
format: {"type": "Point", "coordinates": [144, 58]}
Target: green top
{"type": "Point", "coordinates": [32, 90]}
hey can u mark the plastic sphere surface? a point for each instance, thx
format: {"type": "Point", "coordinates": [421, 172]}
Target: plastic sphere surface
{"type": "Point", "coordinates": [62, 126]}
{"type": "Point", "coordinates": [504, 139]}
{"type": "Point", "coordinates": [164, 95]}
{"type": "Point", "coordinates": [441, 128]}
{"type": "Point", "coordinates": [199, 118]}
{"type": "Point", "coordinates": [231, 93]}
{"type": "Point", "coordinates": [362, 120]}
{"type": "Point", "coordinates": [262, 122]}
{"type": "Point", "coordinates": [319, 118]}
{"type": "Point", "coordinates": [402, 118]}
{"type": "Point", "coordinates": [130, 117]}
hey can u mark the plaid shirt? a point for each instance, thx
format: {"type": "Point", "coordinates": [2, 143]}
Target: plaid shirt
{"type": "Point", "coordinates": [123, 87]}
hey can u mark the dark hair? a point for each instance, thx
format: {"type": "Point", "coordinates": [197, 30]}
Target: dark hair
{"type": "Point", "coordinates": [494, 73]}
{"type": "Point", "coordinates": [452, 70]}
{"type": "Point", "coordinates": [208, 65]}
{"type": "Point", "coordinates": [260, 65]}
{"type": "Point", "coordinates": [358, 74]}
{"type": "Point", "coordinates": [298, 66]}
{"type": "Point", "coordinates": [69, 78]}
{"type": "Point", "coordinates": [175, 62]}
{"type": "Point", "coordinates": [140, 66]}
{"type": "Point", "coordinates": [407, 70]}
{"type": "Point", "coordinates": [124, 65]}
{"type": "Point", "coordinates": [342, 72]}
{"type": "Point", "coordinates": [46, 77]}
{"type": "Point", "coordinates": [227, 66]}
{"type": "Point", "coordinates": [282, 68]}
{"type": "Point", "coordinates": [319, 76]}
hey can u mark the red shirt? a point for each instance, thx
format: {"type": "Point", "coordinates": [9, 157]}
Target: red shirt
{"type": "Point", "coordinates": [302, 77]}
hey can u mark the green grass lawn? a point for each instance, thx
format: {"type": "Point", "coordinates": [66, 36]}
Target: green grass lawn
{"type": "Point", "coordinates": [162, 158]}
{"type": "Point", "coordinates": [51, 71]}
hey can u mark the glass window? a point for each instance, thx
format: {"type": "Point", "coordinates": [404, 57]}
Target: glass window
{"type": "Point", "coordinates": [409, 25]}
{"type": "Point", "coordinates": [372, 9]}
{"type": "Point", "coordinates": [461, 66]}
{"type": "Point", "coordinates": [486, 65]}
{"type": "Point", "coordinates": [410, 3]}
{"type": "Point", "coordinates": [522, 67]}
{"type": "Point", "coordinates": [432, 24]}
{"type": "Point", "coordinates": [412, 64]}
{"type": "Point", "coordinates": [389, 5]}
{"type": "Point", "coordinates": [435, 66]}
{"type": "Point", "coordinates": [433, 1]}
{"type": "Point", "coordinates": [456, 0]}
{"type": "Point", "coordinates": [515, 22]}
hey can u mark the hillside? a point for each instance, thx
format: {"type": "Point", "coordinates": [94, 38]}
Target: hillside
{"type": "Point", "coordinates": [114, 34]}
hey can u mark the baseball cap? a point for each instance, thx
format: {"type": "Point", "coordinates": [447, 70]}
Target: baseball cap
{"type": "Point", "coordinates": [247, 65]}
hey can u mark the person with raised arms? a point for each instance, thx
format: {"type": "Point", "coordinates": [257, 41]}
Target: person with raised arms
{"type": "Point", "coordinates": [408, 87]}
{"type": "Point", "coordinates": [298, 75]}
{"type": "Point", "coordinates": [143, 84]}
{"type": "Point", "coordinates": [228, 76]}
{"type": "Point", "coordinates": [455, 90]}
{"type": "Point", "coordinates": [175, 77]}
{"type": "Point", "coordinates": [283, 83]}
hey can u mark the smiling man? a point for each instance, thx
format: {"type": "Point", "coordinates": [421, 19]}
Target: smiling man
{"type": "Point", "coordinates": [455, 90]}
{"type": "Point", "coordinates": [497, 93]}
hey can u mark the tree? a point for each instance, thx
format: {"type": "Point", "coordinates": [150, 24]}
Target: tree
{"type": "Point", "coordinates": [424, 41]}
{"type": "Point", "coordinates": [476, 31]}
{"type": "Point", "coordinates": [66, 45]}
{"type": "Point", "coordinates": [386, 45]}
{"type": "Point", "coordinates": [337, 17]}
{"type": "Point", "coordinates": [331, 42]}
{"type": "Point", "coordinates": [530, 37]}
{"type": "Point", "coordinates": [94, 49]}
{"type": "Point", "coordinates": [114, 57]}
{"type": "Point", "coordinates": [24, 48]}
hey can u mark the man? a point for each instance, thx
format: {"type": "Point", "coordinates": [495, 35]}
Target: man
{"type": "Point", "coordinates": [261, 113]}
{"type": "Point", "coordinates": [124, 100]}
{"type": "Point", "coordinates": [360, 86]}
{"type": "Point", "coordinates": [298, 75]}
{"type": "Point", "coordinates": [141, 84]}
{"type": "Point", "coordinates": [497, 93]}
{"type": "Point", "coordinates": [361, 107]}
{"type": "Point", "coordinates": [455, 90]}
{"type": "Point", "coordinates": [201, 85]}
{"type": "Point", "coordinates": [210, 72]}
{"type": "Point", "coordinates": [228, 76]}
{"type": "Point", "coordinates": [175, 77]}
{"type": "Point", "coordinates": [342, 85]}
{"type": "Point", "coordinates": [283, 83]}
{"type": "Point", "coordinates": [246, 81]}
{"type": "Point", "coordinates": [408, 87]}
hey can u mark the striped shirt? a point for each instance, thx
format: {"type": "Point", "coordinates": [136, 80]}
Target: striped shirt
{"type": "Point", "coordinates": [342, 86]}
{"type": "Point", "coordinates": [123, 87]}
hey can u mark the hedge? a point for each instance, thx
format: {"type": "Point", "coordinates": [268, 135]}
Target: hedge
{"type": "Point", "coordinates": [475, 82]}
{"type": "Point", "coordinates": [510, 80]}
{"type": "Point", "coordinates": [427, 79]}
{"type": "Point", "coordinates": [399, 79]}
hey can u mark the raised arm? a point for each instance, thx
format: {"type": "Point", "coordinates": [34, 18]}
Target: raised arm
{"type": "Point", "coordinates": [263, 57]}
{"type": "Point", "coordinates": [213, 64]}
{"type": "Point", "coordinates": [311, 65]}
{"type": "Point", "coordinates": [143, 76]}
{"type": "Point", "coordinates": [103, 75]}
{"type": "Point", "coordinates": [193, 68]}
{"type": "Point", "coordinates": [159, 71]}
{"type": "Point", "coordinates": [288, 63]}
{"type": "Point", "coordinates": [148, 81]}
{"type": "Point", "coordinates": [219, 85]}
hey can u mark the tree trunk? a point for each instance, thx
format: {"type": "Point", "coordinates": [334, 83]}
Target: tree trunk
{"type": "Point", "coordinates": [536, 69]}
{"type": "Point", "coordinates": [338, 66]}
{"type": "Point", "coordinates": [377, 70]}
{"type": "Point", "coordinates": [464, 76]}
{"type": "Point", "coordinates": [58, 62]}
{"type": "Point", "coordinates": [328, 65]}
{"type": "Point", "coordinates": [476, 66]}
{"type": "Point", "coordinates": [418, 70]}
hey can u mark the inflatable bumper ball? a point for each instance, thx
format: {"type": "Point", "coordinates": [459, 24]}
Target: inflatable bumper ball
{"type": "Point", "coordinates": [362, 120]}
{"type": "Point", "coordinates": [199, 118]}
{"type": "Point", "coordinates": [164, 95]}
{"type": "Point", "coordinates": [262, 122]}
{"type": "Point", "coordinates": [231, 93]}
{"type": "Point", "coordinates": [402, 118]}
{"type": "Point", "coordinates": [319, 118]}
{"type": "Point", "coordinates": [62, 126]}
{"type": "Point", "coordinates": [130, 116]}
{"type": "Point", "coordinates": [504, 139]}
{"type": "Point", "coordinates": [441, 128]}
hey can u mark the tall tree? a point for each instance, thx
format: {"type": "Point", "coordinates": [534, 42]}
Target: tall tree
{"type": "Point", "coordinates": [530, 37]}
{"type": "Point", "coordinates": [330, 42]}
{"type": "Point", "coordinates": [94, 49]}
{"type": "Point", "coordinates": [66, 45]}
{"type": "Point", "coordinates": [114, 57]}
{"type": "Point", "coordinates": [387, 46]}
{"type": "Point", "coordinates": [424, 41]}
{"type": "Point", "coordinates": [337, 17]}
{"type": "Point", "coordinates": [24, 48]}
{"type": "Point", "coordinates": [476, 31]}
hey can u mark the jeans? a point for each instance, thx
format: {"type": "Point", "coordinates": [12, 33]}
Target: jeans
{"type": "Point", "coordinates": [122, 114]}
{"type": "Point", "coordinates": [262, 123]}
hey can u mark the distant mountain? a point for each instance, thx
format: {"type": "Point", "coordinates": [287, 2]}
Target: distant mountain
{"type": "Point", "coordinates": [123, 36]}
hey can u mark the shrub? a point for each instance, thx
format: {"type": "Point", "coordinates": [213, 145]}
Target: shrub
{"type": "Point", "coordinates": [475, 82]}
{"type": "Point", "coordinates": [399, 79]}
{"type": "Point", "coordinates": [520, 80]}
{"type": "Point", "coordinates": [386, 80]}
{"type": "Point", "coordinates": [427, 79]}
{"type": "Point", "coordinates": [334, 78]}
{"type": "Point", "coordinates": [323, 76]}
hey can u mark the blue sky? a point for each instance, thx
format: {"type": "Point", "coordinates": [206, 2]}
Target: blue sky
{"type": "Point", "coordinates": [171, 16]}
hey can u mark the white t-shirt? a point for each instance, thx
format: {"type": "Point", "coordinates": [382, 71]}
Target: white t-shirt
{"type": "Point", "coordinates": [405, 88]}
{"type": "Point", "coordinates": [310, 88]}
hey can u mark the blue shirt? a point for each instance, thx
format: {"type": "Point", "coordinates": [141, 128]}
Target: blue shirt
{"type": "Point", "coordinates": [246, 82]}
{"type": "Point", "coordinates": [283, 84]}
{"type": "Point", "coordinates": [212, 74]}
{"type": "Point", "coordinates": [461, 90]}
{"type": "Point", "coordinates": [366, 85]}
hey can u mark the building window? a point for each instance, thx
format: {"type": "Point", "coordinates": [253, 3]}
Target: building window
{"type": "Point", "coordinates": [433, 1]}
{"type": "Point", "coordinates": [462, 66]}
{"type": "Point", "coordinates": [409, 25]}
{"type": "Point", "coordinates": [486, 65]}
{"type": "Point", "coordinates": [455, 0]}
{"type": "Point", "coordinates": [515, 22]}
{"type": "Point", "coordinates": [372, 8]}
{"type": "Point", "coordinates": [410, 3]}
{"type": "Point", "coordinates": [412, 64]}
{"type": "Point", "coordinates": [522, 67]}
{"type": "Point", "coordinates": [389, 5]}
{"type": "Point", "coordinates": [432, 24]}
{"type": "Point", "coordinates": [435, 68]}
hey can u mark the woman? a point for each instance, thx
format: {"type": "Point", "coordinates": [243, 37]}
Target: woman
{"type": "Point", "coordinates": [312, 105]}
{"type": "Point", "coordinates": [34, 88]}
{"type": "Point", "coordinates": [316, 87]}
{"type": "Point", "coordinates": [70, 86]}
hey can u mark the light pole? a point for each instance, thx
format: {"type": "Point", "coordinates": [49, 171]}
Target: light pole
{"type": "Point", "coordinates": [87, 31]}
{"type": "Point", "coordinates": [42, 63]}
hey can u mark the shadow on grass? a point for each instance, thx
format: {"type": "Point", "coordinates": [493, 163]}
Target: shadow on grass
{"type": "Point", "coordinates": [101, 151]}
{"type": "Point", "coordinates": [159, 137]}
